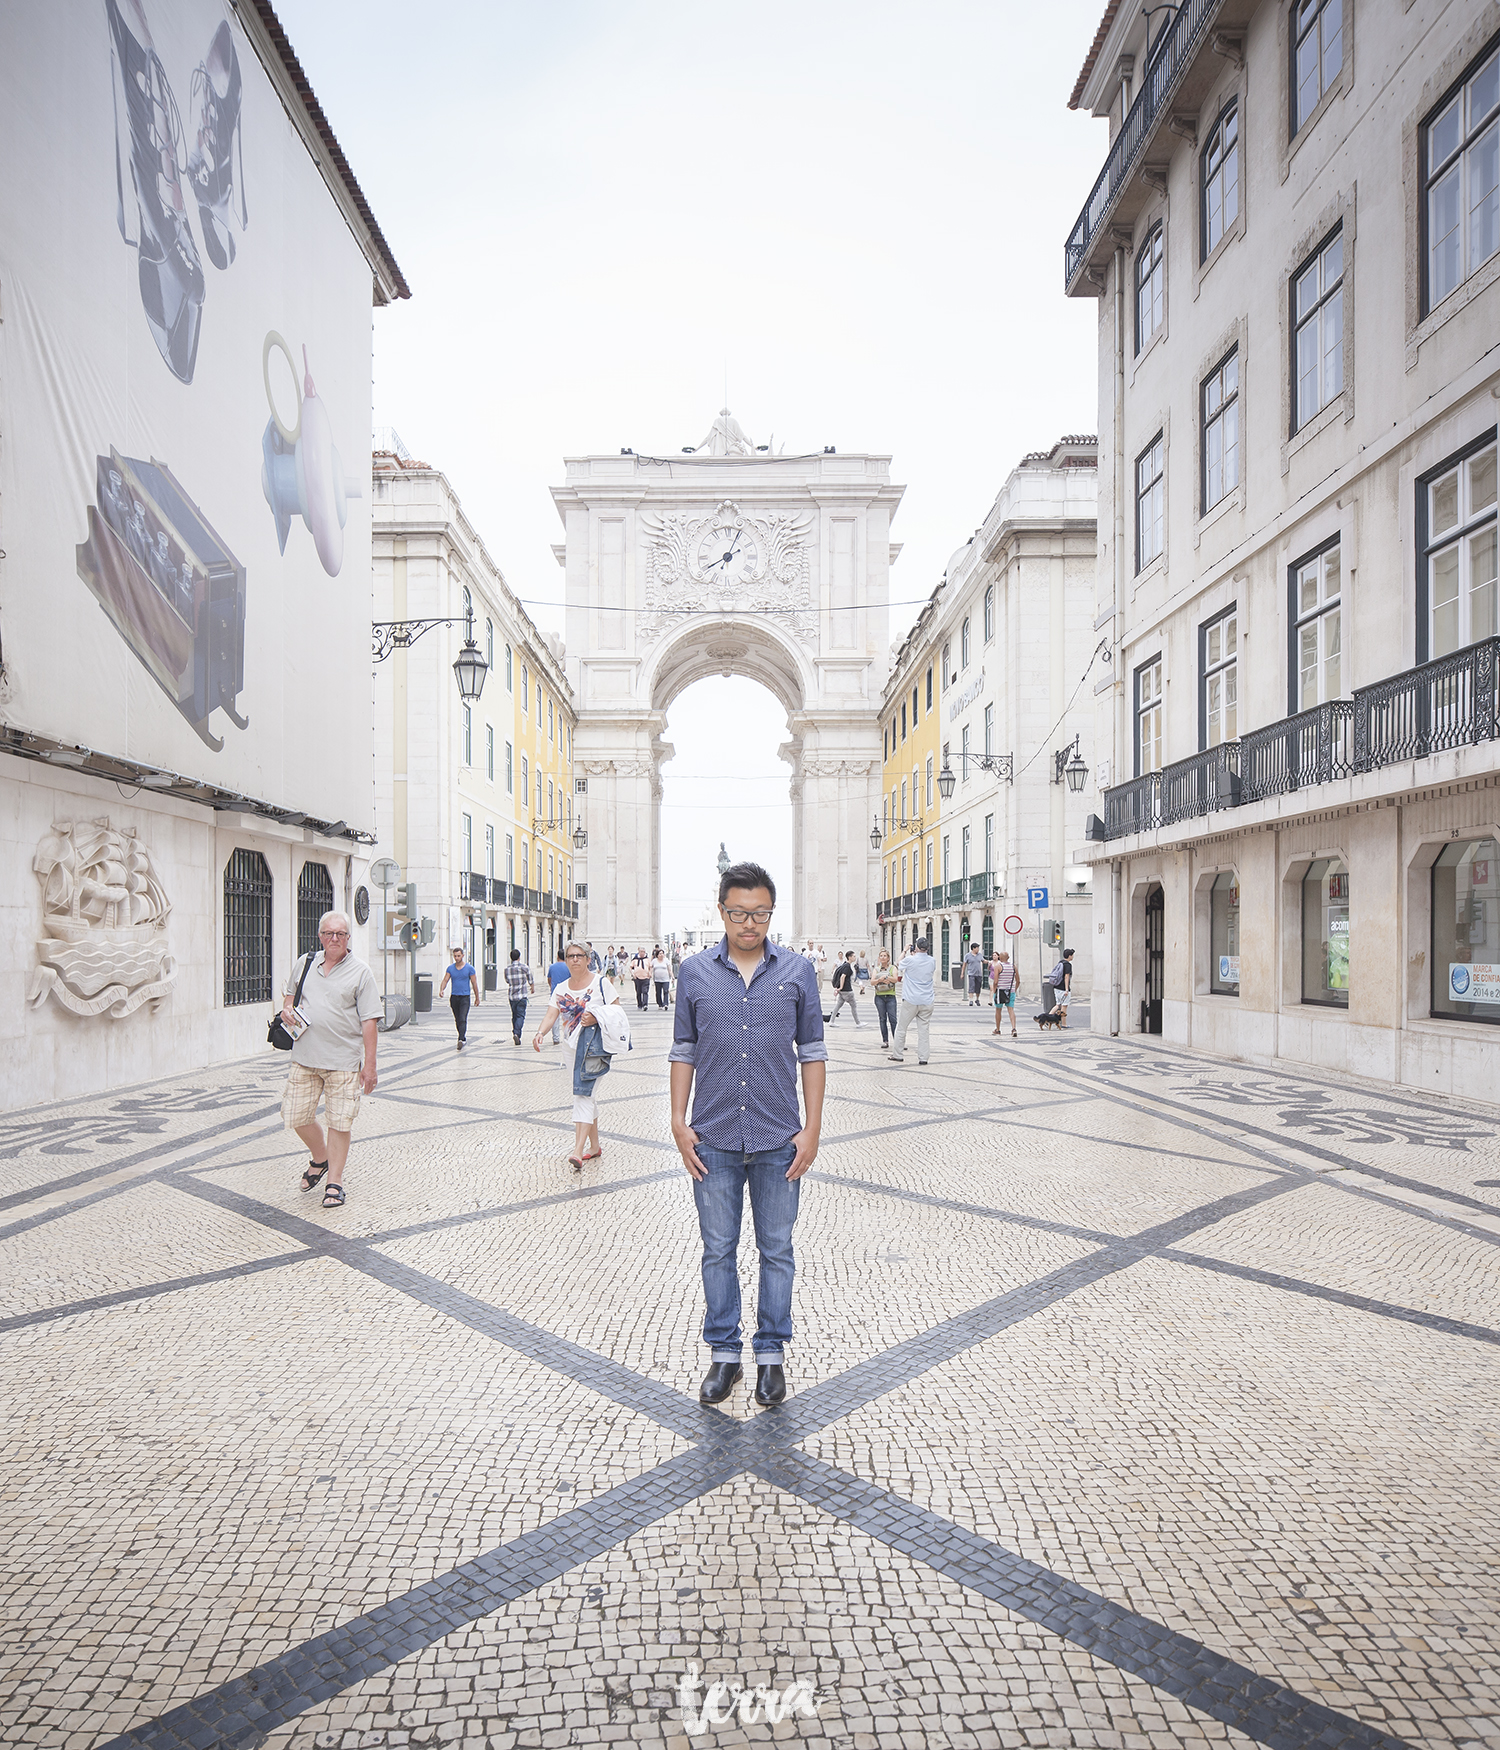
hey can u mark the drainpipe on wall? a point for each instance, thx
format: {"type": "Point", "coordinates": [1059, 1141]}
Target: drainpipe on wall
{"type": "Point", "coordinates": [1116, 628]}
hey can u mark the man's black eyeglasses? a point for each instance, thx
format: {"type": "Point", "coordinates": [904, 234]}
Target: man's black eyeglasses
{"type": "Point", "coordinates": [736, 916]}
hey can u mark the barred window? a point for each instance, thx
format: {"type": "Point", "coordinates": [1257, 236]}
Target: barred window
{"type": "Point", "coordinates": [314, 897]}
{"type": "Point", "coordinates": [247, 929]}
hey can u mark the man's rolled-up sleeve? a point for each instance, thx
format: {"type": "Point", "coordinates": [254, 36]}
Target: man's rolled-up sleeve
{"type": "Point", "coordinates": [684, 1026]}
{"type": "Point", "coordinates": [368, 1005]}
{"type": "Point", "coordinates": [810, 1045]}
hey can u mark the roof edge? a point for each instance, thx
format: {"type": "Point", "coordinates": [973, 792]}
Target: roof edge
{"type": "Point", "coordinates": [263, 29]}
{"type": "Point", "coordinates": [1111, 10]}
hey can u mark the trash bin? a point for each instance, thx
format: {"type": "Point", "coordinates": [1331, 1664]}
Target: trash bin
{"type": "Point", "coordinates": [424, 993]}
{"type": "Point", "coordinates": [958, 976]}
{"type": "Point", "coordinates": [492, 978]}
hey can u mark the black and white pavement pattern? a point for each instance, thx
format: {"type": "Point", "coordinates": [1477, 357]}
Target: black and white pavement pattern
{"type": "Point", "coordinates": [1138, 1399]}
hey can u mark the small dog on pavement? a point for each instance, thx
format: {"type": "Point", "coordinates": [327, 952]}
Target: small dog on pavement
{"type": "Point", "coordinates": [1053, 1018]}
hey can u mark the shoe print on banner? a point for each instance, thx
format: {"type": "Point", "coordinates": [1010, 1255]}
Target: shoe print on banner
{"type": "Point", "coordinates": [301, 472]}
{"type": "Point", "coordinates": [148, 133]}
{"type": "Point", "coordinates": [216, 165]}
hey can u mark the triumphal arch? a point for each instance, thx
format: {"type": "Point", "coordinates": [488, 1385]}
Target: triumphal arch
{"type": "Point", "coordinates": [729, 558]}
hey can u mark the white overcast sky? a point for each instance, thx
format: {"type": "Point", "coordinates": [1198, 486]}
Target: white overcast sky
{"type": "Point", "coordinates": [854, 213]}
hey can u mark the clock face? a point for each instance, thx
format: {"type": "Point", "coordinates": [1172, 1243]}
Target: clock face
{"type": "Point", "coordinates": [727, 554]}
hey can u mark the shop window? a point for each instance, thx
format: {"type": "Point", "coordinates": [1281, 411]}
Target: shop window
{"type": "Point", "coordinates": [1224, 935]}
{"type": "Point", "coordinates": [1218, 679]}
{"type": "Point", "coordinates": [1317, 671]}
{"type": "Point", "coordinates": [1466, 932]}
{"type": "Point", "coordinates": [1325, 933]}
{"type": "Point", "coordinates": [1457, 569]}
{"type": "Point", "coordinates": [1148, 717]}
{"type": "Point", "coordinates": [987, 934]}
{"type": "Point", "coordinates": [1460, 167]}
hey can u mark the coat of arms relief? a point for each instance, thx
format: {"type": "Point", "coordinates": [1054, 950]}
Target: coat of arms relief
{"type": "Point", "coordinates": [726, 562]}
{"type": "Point", "coordinates": [104, 914]}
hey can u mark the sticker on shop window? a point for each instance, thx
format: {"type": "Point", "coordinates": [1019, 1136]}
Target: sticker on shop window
{"type": "Point", "coordinates": [1478, 982]}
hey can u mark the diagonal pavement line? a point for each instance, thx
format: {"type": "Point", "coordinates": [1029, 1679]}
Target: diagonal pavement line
{"type": "Point", "coordinates": [878, 1189]}
{"type": "Point", "coordinates": [1385, 1309]}
{"type": "Point", "coordinates": [125, 1296]}
{"type": "Point", "coordinates": [242, 1710]}
{"type": "Point", "coordinates": [496, 1210]}
{"type": "Point", "coordinates": [612, 1380]}
{"type": "Point", "coordinates": [1168, 1660]}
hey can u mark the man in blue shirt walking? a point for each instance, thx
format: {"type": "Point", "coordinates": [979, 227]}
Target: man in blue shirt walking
{"type": "Point", "coordinates": [915, 975]}
{"type": "Point", "coordinates": [465, 981]}
{"type": "Point", "coordinates": [557, 973]}
{"type": "Point", "coordinates": [748, 1015]}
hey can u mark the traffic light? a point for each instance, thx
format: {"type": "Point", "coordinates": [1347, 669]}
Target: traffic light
{"type": "Point", "coordinates": [1054, 932]}
{"type": "Point", "coordinates": [406, 899]}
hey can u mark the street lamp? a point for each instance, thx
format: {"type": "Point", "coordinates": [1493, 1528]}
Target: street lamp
{"type": "Point", "coordinates": [1067, 765]}
{"type": "Point", "coordinates": [580, 837]}
{"type": "Point", "coordinates": [946, 780]}
{"type": "Point", "coordinates": [876, 835]}
{"type": "Point", "coordinates": [469, 669]}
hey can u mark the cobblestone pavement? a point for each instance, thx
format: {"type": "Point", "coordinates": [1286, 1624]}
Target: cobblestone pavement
{"type": "Point", "coordinates": [1137, 1400]}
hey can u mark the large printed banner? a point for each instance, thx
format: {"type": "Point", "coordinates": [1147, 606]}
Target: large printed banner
{"type": "Point", "coordinates": [184, 409]}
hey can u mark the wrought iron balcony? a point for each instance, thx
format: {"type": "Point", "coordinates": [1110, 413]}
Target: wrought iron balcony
{"type": "Point", "coordinates": [924, 899]}
{"type": "Point", "coordinates": [1174, 52]}
{"type": "Point", "coordinates": [1451, 702]}
{"type": "Point", "coordinates": [979, 889]}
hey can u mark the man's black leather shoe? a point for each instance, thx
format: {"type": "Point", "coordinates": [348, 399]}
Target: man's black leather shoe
{"type": "Point", "coordinates": [770, 1386]}
{"type": "Point", "coordinates": [719, 1381]}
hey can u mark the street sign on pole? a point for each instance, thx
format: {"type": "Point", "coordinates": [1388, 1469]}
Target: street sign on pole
{"type": "Point", "coordinates": [385, 872]}
{"type": "Point", "coordinates": [1036, 899]}
{"type": "Point", "coordinates": [1014, 924]}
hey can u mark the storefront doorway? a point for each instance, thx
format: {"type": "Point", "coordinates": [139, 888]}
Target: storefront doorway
{"type": "Point", "coordinates": [1156, 937]}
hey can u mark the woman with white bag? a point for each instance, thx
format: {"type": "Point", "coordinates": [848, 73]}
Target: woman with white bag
{"type": "Point", "coordinates": [586, 1001]}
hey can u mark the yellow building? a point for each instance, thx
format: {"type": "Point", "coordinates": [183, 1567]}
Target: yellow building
{"type": "Point", "coordinates": [911, 803]}
{"type": "Point", "coordinates": [540, 746]}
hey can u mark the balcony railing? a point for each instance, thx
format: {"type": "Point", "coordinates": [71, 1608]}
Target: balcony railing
{"type": "Point", "coordinates": [924, 899]}
{"type": "Point", "coordinates": [1174, 49]}
{"type": "Point", "coordinates": [1452, 702]}
{"type": "Point", "coordinates": [979, 889]}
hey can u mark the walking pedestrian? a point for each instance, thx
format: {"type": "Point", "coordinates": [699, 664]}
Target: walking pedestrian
{"type": "Point", "coordinates": [611, 962]}
{"type": "Point", "coordinates": [518, 982]}
{"type": "Point", "coordinates": [583, 1000]}
{"type": "Point", "coordinates": [661, 977]}
{"type": "Point", "coordinates": [974, 974]}
{"type": "Point", "coordinates": [1005, 981]}
{"type": "Point", "coordinates": [557, 973]}
{"type": "Point", "coordinates": [883, 979]}
{"type": "Point", "coordinates": [1061, 980]}
{"type": "Point", "coordinates": [640, 974]}
{"type": "Point", "coordinates": [862, 969]}
{"type": "Point", "coordinates": [465, 979]}
{"type": "Point", "coordinates": [843, 989]}
{"type": "Point", "coordinates": [748, 1015]}
{"type": "Point", "coordinates": [333, 1058]}
{"type": "Point", "coordinates": [915, 974]}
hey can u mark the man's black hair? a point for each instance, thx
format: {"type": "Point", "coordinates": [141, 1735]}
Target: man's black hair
{"type": "Point", "coordinates": [747, 877]}
{"type": "Point", "coordinates": [515, 953]}
{"type": "Point", "coordinates": [920, 944]}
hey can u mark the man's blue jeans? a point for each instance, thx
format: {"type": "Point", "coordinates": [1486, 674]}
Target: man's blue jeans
{"type": "Point", "coordinates": [773, 1207]}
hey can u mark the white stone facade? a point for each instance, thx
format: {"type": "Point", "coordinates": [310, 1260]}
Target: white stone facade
{"type": "Point", "coordinates": [728, 560]}
{"type": "Point", "coordinates": [1289, 773]}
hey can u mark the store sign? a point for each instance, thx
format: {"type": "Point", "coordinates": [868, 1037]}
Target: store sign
{"type": "Point", "coordinates": [1229, 969]}
{"type": "Point", "coordinates": [1478, 982]}
{"type": "Point", "coordinates": [967, 696]}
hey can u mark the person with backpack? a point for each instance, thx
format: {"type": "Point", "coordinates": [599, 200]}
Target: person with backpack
{"type": "Point", "coordinates": [1005, 981]}
{"type": "Point", "coordinates": [843, 989]}
{"type": "Point", "coordinates": [1061, 980]}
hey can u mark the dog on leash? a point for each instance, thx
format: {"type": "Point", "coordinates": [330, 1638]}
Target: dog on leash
{"type": "Point", "coordinates": [1053, 1018]}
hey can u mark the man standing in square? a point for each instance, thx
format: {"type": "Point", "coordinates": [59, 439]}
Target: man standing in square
{"type": "Point", "coordinates": [748, 1015]}
{"type": "Point", "coordinates": [917, 996]}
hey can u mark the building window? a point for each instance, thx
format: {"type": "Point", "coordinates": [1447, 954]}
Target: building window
{"type": "Point", "coordinates": [1456, 532]}
{"type": "Point", "coordinates": [1317, 629]}
{"type": "Point", "coordinates": [1148, 717]}
{"type": "Point", "coordinates": [468, 843]}
{"type": "Point", "coordinates": [947, 667]}
{"type": "Point", "coordinates": [489, 751]}
{"type": "Point", "coordinates": [1466, 932]}
{"type": "Point", "coordinates": [247, 929]}
{"type": "Point", "coordinates": [489, 644]}
{"type": "Point", "coordinates": [1218, 679]}
{"type": "Point", "coordinates": [1317, 53]}
{"type": "Point", "coordinates": [314, 897]}
{"type": "Point", "coordinates": [989, 844]}
{"type": "Point", "coordinates": [525, 865]}
{"type": "Point", "coordinates": [963, 645]}
{"type": "Point", "coordinates": [550, 735]}
{"type": "Point", "coordinates": [916, 791]}
{"type": "Point", "coordinates": [525, 782]}
{"type": "Point", "coordinates": [510, 679]}
{"type": "Point", "coordinates": [989, 613]}
{"type": "Point", "coordinates": [914, 712]}
{"type": "Point", "coordinates": [903, 798]}
{"type": "Point", "coordinates": [1325, 933]}
{"type": "Point", "coordinates": [468, 613]}
{"type": "Point", "coordinates": [929, 871]}
{"type": "Point", "coordinates": [1221, 178]}
{"type": "Point", "coordinates": [963, 754]}
{"type": "Point", "coordinates": [1221, 431]}
{"type": "Point", "coordinates": [1318, 322]}
{"type": "Point", "coordinates": [551, 803]}
{"type": "Point", "coordinates": [510, 769]}
{"type": "Point", "coordinates": [1460, 157]}
{"type": "Point", "coordinates": [903, 871]}
{"type": "Point", "coordinates": [489, 853]}
{"type": "Point", "coordinates": [1150, 286]}
{"type": "Point", "coordinates": [989, 730]}
{"type": "Point", "coordinates": [963, 844]}
{"type": "Point", "coordinates": [929, 686]}
{"type": "Point", "coordinates": [903, 720]}
{"type": "Point", "coordinates": [525, 689]}
{"type": "Point", "coordinates": [539, 792]}
{"type": "Point", "coordinates": [468, 735]}
{"type": "Point", "coordinates": [510, 859]}
{"type": "Point", "coordinates": [551, 873]}
{"type": "Point", "coordinates": [929, 781]}
{"type": "Point", "coordinates": [1224, 935]}
{"type": "Point", "coordinates": [947, 859]}
{"type": "Point", "coordinates": [1150, 488]}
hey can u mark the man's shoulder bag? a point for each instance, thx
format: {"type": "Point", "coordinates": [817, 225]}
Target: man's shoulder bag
{"type": "Point", "coordinates": [276, 1033]}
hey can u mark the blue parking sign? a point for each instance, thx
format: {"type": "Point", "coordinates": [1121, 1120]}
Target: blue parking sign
{"type": "Point", "coordinates": [1036, 899]}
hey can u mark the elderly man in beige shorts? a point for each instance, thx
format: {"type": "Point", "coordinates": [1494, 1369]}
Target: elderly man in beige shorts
{"type": "Point", "coordinates": [334, 1058]}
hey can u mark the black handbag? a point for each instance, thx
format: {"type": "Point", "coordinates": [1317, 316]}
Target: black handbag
{"type": "Point", "coordinates": [276, 1033]}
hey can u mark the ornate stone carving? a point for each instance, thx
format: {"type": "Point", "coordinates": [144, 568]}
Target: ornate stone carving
{"type": "Point", "coordinates": [104, 913]}
{"type": "Point", "coordinates": [775, 579]}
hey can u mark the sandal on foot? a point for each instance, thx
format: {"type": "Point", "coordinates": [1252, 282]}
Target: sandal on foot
{"type": "Point", "coordinates": [315, 1171]}
{"type": "Point", "coordinates": [598, 1154]}
{"type": "Point", "coordinates": [333, 1197]}
{"type": "Point", "coordinates": [573, 1161]}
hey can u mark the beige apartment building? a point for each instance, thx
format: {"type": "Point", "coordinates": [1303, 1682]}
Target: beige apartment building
{"type": "Point", "coordinates": [1295, 247]}
{"type": "Point", "coordinates": [474, 799]}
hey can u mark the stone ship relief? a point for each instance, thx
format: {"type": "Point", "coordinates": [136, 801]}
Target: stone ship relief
{"type": "Point", "coordinates": [105, 915]}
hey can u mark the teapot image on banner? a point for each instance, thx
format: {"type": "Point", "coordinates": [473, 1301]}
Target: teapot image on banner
{"type": "Point", "coordinates": [301, 473]}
